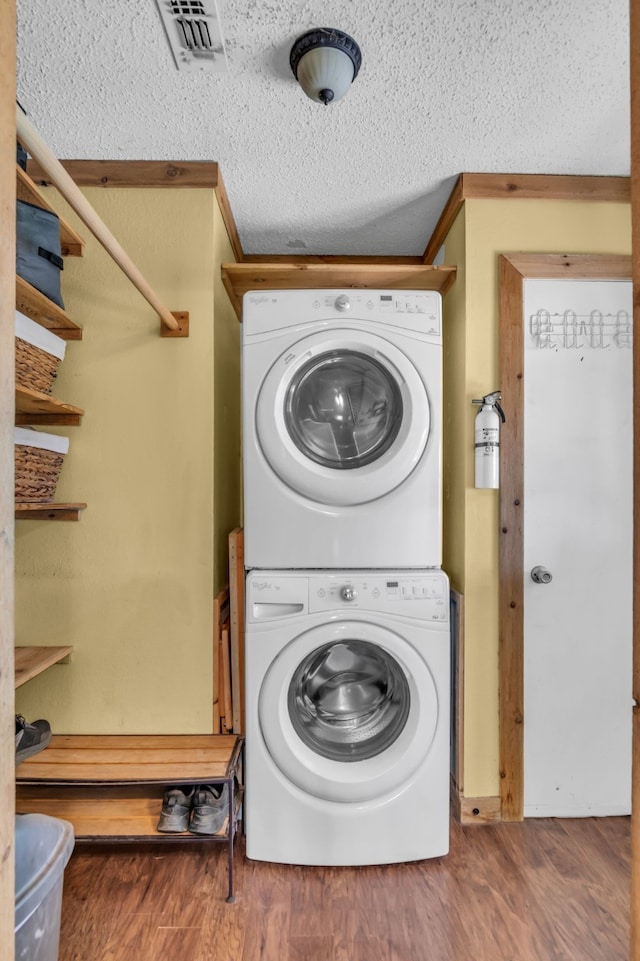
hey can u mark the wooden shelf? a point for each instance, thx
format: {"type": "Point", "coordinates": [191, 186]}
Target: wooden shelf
{"type": "Point", "coordinates": [106, 813]}
{"type": "Point", "coordinates": [110, 787]}
{"type": "Point", "coordinates": [240, 278]}
{"type": "Point", "coordinates": [48, 512]}
{"type": "Point", "coordinates": [43, 311]}
{"type": "Point", "coordinates": [34, 407]}
{"type": "Point", "coordinates": [31, 661]}
{"type": "Point", "coordinates": [134, 759]}
{"type": "Point", "coordinates": [72, 243]}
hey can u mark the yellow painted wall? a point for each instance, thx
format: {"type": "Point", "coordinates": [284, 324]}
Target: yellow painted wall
{"type": "Point", "coordinates": [227, 502]}
{"type": "Point", "coordinates": [454, 374]}
{"type": "Point", "coordinates": [492, 227]}
{"type": "Point", "coordinates": [131, 585]}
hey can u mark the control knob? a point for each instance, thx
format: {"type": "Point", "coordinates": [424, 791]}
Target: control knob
{"type": "Point", "coordinates": [348, 592]}
{"type": "Point", "coordinates": [342, 302]}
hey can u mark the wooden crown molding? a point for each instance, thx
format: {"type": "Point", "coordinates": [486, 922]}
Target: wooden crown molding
{"type": "Point", "coordinates": [200, 173]}
{"type": "Point", "coordinates": [524, 187]}
{"type": "Point", "coordinates": [149, 173]}
{"type": "Point", "coordinates": [133, 173]}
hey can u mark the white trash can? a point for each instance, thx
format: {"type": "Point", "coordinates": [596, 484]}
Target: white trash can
{"type": "Point", "coordinates": [43, 848]}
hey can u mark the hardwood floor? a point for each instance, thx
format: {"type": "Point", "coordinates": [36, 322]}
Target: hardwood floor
{"type": "Point", "coordinates": [544, 890]}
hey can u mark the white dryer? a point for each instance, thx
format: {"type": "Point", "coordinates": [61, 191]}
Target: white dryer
{"type": "Point", "coordinates": [342, 428]}
{"type": "Point", "coordinates": [347, 716]}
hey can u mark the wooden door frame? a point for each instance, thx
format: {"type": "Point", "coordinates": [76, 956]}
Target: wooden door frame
{"type": "Point", "coordinates": [514, 269]}
{"type": "Point", "coordinates": [7, 499]}
{"type": "Point", "coordinates": [634, 52]}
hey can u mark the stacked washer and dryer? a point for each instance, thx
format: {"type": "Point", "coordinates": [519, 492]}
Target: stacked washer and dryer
{"type": "Point", "coordinates": [347, 611]}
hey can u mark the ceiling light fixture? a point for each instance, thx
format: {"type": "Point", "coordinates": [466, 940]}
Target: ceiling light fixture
{"type": "Point", "coordinates": [325, 62]}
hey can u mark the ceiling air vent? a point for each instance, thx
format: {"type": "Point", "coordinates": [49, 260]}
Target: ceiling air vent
{"type": "Point", "coordinates": [194, 34]}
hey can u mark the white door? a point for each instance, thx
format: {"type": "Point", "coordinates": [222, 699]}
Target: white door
{"type": "Point", "coordinates": [577, 526]}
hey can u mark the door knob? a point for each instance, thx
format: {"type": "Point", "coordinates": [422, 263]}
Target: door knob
{"type": "Point", "coordinates": [541, 575]}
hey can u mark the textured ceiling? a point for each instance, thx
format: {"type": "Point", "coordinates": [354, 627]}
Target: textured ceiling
{"type": "Point", "coordinates": [512, 86]}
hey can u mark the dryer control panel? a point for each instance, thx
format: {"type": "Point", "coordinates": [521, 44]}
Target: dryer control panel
{"type": "Point", "coordinates": [413, 309]}
{"type": "Point", "coordinates": [417, 311]}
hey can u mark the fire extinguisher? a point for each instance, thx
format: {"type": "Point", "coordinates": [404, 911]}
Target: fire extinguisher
{"type": "Point", "coordinates": [487, 440]}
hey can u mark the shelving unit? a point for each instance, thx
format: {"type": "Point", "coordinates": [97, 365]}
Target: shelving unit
{"type": "Point", "coordinates": [110, 787]}
{"type": "Point", "coordinates": [34, 408]}
{"type": "Point", "coordinates": [31, 661]}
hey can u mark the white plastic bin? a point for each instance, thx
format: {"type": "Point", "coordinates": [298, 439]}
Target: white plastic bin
{"type": "Point", "coordinates": [43, 848]}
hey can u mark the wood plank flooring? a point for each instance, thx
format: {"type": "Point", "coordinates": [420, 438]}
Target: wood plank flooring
{"type": "Point", "coordinates": [544, 890]}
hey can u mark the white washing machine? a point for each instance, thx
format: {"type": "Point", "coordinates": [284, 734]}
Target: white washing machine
{"type": "Point", "coordinates": [342, 428]}
{"type": "Point", "coordinates": [347, 716]}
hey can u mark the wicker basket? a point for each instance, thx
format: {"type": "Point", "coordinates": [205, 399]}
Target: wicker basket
{"type": "Point", "coordinates": [38, 355]}
{"type": "Point", "coordinates": [37, 466]}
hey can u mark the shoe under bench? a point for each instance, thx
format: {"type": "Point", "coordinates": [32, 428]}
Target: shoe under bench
{"type": "Point", "coordinates": [110, 787]}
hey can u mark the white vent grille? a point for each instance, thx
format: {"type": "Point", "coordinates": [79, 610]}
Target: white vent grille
{"type": "Point", "coordinates": [194, 33]}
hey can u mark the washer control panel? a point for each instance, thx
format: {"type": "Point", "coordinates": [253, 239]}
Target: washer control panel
{"type": "Point", "coordinates": [413, 595]}
{"type": "Point", "coordinates": [274, 595]}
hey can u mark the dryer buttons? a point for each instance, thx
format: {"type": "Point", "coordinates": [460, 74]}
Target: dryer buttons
{"type": "Point", "coordinates": [342, 303]}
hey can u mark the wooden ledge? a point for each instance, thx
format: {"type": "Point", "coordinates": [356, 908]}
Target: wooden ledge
{"type": "Point", "coordinates": [33, 407]}
{"type": "Point", "coordinates": [48, 512]}
{"type": "Point", "coordinates": [240, 278]}
{"type": "Point", "coordinates": [31, 661]}
{"type": "Point", "coordinates": [43, 311]}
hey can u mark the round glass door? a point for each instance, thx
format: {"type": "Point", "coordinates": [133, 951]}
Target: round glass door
{"type": "Point", "coordinates": [343, 409]}
{"type": "Point", "coordinates": [349, 701]}
{"type": "Point", "coordinates": [348, 710]}
{"type": "Point", "coordinates": [343, 417]}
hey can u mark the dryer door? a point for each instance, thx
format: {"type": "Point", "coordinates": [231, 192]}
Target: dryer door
{"type": "Point", "coordinates": [343, 417]}
{"type": "Point", "coordinates": [348, 711]}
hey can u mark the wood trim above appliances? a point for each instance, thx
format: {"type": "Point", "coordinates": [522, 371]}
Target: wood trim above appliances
{"type": "Point", "coordinates": [292, 275]}
{"type": "Point", "coordinates": [149, 173]}
{"type": "Point", "coordinates": [523, 187]}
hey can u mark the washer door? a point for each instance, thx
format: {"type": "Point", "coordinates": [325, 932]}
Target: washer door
{"type": "Point", "coordinates": [343, 417]}
{"type": "Point", "coordinates": [348, 711]}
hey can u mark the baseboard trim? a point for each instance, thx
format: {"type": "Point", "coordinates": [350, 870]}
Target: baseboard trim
{"type": "Point", "coordinates": [474, 810]}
